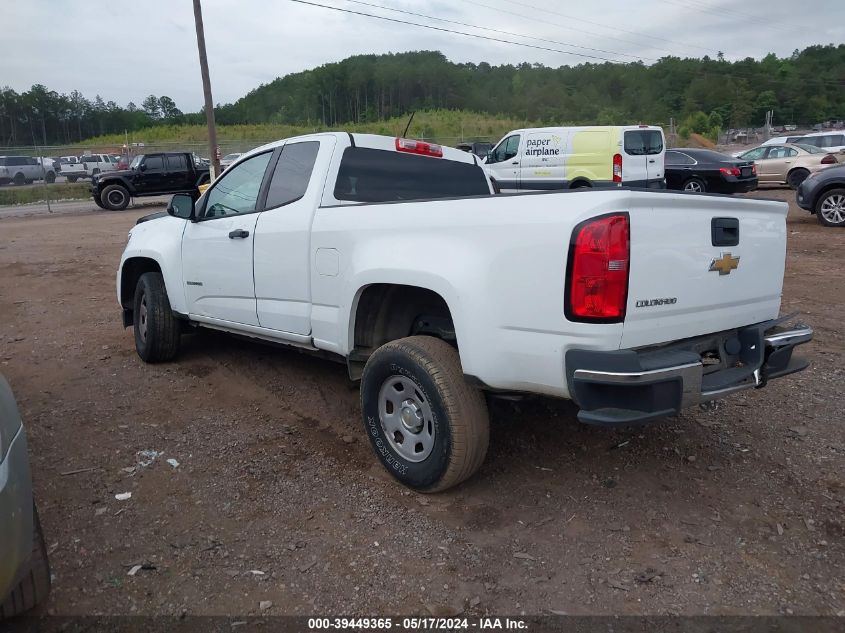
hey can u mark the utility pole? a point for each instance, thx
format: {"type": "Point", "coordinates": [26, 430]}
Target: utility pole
{"type": "Point", "coordinates": [206, 89]}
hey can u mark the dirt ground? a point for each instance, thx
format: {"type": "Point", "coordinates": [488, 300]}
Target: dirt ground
{"type": "Point", "coordinates": [277, 497]}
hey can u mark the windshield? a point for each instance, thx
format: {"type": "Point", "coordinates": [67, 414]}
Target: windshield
{"type": "Point", "coordinates": [810, 149]}
{"type": "Point", "coordinates": [136, 161]}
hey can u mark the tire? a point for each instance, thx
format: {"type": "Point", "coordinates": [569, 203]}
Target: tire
{"type": "Point", "coordinates": [33, 585]}
{"type": "Point", "coordinates": [157, 331]}
{"type": "Point", "coordinates": [830, 209]}
{"type": "Point", "coordinates": [50, 177]}
{"type": "Point", "coordinates": [115, 197]}
{"type": "Point", "coordinates": [19, 180]}
{"type": "Point", "coordinates": [796, 177]}
{"type": "Point", "coordinates": [695, 185]}
{"type": "Point", "coordinates": [72, 178]}
{"type": "Point", "coordinates": [450, 416]}
{"type": "Point", "coordinates": [98, 202]}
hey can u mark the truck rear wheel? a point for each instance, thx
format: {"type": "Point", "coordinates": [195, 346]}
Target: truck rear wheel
{"type": "Point", "coordinates": [19, 179]}
{"type": "Point", "coordinates": [115, 197]}
{"type": "Point", "coordinates": [72, 179]}
{"type": "Point", "coordinates": [33, 584]}
{"type": "Point", "coordinates": [429, 428]}
{"type": "Point", "coordinates": [157, 331]}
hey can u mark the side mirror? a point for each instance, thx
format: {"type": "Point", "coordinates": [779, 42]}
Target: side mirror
{"type": "Point", "coordinates": [181, 205]}
{"type": "Point", "coordinates": [142, 167]}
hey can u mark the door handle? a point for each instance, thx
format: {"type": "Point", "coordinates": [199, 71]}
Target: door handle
{"type": "Point", "coordinates": [787, 161]}
{"type": "Point", "coordinates": [651, 161]}
{"type": "Point", "coordinates": [516, 162]}
{"type": "Point", "coordinates": [238, 233]}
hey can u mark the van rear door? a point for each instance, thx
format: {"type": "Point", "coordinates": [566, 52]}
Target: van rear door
{"type": "Point", "coordinates": [634, 158]}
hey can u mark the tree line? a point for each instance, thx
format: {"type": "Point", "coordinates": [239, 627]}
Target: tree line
{"type": "Point", "coordinates": [804, 88]}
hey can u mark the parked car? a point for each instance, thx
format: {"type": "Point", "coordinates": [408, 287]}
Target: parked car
{"type": "Point", "coordinates": [823, 193]}
{"type": "Point", "coordinates": [24, 569]}
{"type": "Point", "coordinates": [789, 164]}
{"type": "Point", "coordinates": [479, 148]}
{"type": "Point", "coordinates": [316, 242]}
{"type": "Point", "coordinates": [782, 140]}
{"type": "Point", "coordinates": [89, 166]}
{"type": "Point", "coordinates": [828, 141]}
{"type": "Point", "coordinates": [148, 175]}
{"type": "Point", "coordinates": [703, 170]}
{"type": "Point", "coordinates": [228, 159]}
{"type": "Point", "coordinates": [23, 170]}
{"type": "Point", "coordinates": [573, 157]}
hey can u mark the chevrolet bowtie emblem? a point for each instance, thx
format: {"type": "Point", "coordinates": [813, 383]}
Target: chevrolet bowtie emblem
{"type": "Point", "coordinates": [725, 264]}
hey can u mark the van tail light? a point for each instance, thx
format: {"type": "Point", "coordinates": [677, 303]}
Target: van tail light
{"type": "Point", "coordinates": [729, 171]}
{"type": "Point", "coordinates": [617, 168]}
{"type": "Point", "coordinates": [419, 147]}
{"type": "Point", "coordinates": [599, 255]}
{"type": "Point", "coordinates": [830, 159]}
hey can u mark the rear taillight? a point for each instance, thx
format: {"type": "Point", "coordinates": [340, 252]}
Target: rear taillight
{"type": "Point", "coordinates": [597, 286]}
{"type": "Point", "coordinates": [617, 168]}
{"type": "Point", "coordinates": [830, 159]}
{"type": "Point", "coordinates": [418, 147]}
{"type": "Point", "coordinates": [729, 171]}
{"type": "Point", "coordinates": [754, 169]}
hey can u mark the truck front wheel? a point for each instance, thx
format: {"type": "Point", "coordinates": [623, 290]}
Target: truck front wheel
{"type": "Point", "coordinates": [115, 197]}
{"type": "Point", "coordinates": [157, 331]}
{"type": "Point", "coordinates": [429, 428]}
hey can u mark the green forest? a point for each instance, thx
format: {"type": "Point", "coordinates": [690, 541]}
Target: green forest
{"type": "Point", "coordinates": [805, 88]}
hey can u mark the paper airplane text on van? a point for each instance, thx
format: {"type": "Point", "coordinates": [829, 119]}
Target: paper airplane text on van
{"type": "Point", "coordinates": [572, 157]}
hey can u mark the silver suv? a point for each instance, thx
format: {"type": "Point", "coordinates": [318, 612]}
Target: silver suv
{"type": "Point", "coordinates": [22, 170]}
{"type": "Point", "coordinates": [24, 570]}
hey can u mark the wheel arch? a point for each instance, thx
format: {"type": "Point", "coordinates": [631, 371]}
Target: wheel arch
{"type": "Point", "coordinates": [130, 273]}
{"type": "Point", "coordinates": [823, 190]}
{"type": "Point", "coordinates": [580, 183]}
{"type": "Point", "coordinates": [383, 312]}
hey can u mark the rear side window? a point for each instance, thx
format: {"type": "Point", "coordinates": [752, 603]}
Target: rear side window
{"type": "Point", "coordinates": [292, 173]}
{"type": "Point", "coordinates": [678, 158]}
{"type": "Point", "coordinates": [832, 140]}
{"type": "Point", "coordinates": [373, 175]}
{"type": "Point", "coordinates": [177, 162]}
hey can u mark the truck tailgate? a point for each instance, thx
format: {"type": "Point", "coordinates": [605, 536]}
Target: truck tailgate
{"type": "Point", "coordinates": [689, 275]}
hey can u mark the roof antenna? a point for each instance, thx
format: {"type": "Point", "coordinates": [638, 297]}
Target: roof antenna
{"type": "Point", "coordinates": [405, 133]}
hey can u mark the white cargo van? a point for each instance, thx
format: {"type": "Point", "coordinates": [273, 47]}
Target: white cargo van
{"type": "Point", "coordinates": [571, 157]}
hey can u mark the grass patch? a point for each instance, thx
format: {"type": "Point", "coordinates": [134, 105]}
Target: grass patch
{"type": "Point", "coordinates": [445, 126]}
{"type": "Point", "coordinates": [11, 195]}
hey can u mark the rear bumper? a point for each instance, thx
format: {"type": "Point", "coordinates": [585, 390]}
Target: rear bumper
{"type": "Point", "coordinates": [16, 517]}
{"type": "Point", "coordinates": [630, 386]}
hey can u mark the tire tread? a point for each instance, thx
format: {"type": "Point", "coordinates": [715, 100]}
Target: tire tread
{"type": "Point", "coordinates": [164, 330]}
{"type": "Point", "coordinates": [33, 585]}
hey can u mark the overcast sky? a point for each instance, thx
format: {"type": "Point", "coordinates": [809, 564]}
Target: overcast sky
{"type": "Point", "coordinates": [126, 50]}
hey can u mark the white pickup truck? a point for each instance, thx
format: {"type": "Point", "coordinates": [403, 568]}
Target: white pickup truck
{"type": "Point", "coordinates": [396, 256]}
{"type": "Point", "coordinates": [89, 166]}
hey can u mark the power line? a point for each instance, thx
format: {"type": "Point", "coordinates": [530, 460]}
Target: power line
{"type": "Point", "coordinates": [464, 33]}
{"type": "Point", "coordinates": [571, 28]}
{"type": "Point", "coordinates": [485, 28]}
{"type": "Point", "coordinates": [733, 13]}
{"type": "Point", "coordinates": [702, 73]}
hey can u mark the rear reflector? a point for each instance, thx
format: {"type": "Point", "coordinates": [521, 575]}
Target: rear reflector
{"type": "Point", "coordinates": [599, 255]}
{"type": "Point", "coordinates": [830, 159]}
{"type": "Point", "coordinates": [617, 168]}
{"type": "Point", "coordinates": [418, 147]}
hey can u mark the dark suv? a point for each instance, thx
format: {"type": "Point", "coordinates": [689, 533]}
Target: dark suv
{"type": "Point", "coordinates": [149, 175]}
{"type": "Point", "coordinates": [823, 193]}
